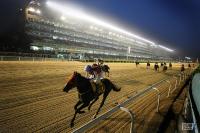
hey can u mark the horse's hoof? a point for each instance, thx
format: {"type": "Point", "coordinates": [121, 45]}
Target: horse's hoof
{"type": "Point", "coordinates": [81, 112]}
{"type": "Point", "coordinates": [72, 124]}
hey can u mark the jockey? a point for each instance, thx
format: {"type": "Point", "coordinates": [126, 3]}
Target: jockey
{"type": "Point", "coordinates": [98, 74]}
{"type": "Point", "coordinates": [148, 65]}
{"type": "Point", "coordinates": [89, 71]}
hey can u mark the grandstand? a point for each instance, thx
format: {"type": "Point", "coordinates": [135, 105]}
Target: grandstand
{"type": "Point", "coordinates": [67, 32]}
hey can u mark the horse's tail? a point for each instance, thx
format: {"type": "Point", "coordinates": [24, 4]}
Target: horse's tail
{"type": "Point", "coordinates": [115, 87]}
{"type": "Point", "coordinates": [107, 82]}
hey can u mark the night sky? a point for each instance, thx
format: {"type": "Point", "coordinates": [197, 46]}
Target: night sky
{"type": "Point", "coordinates": [172, 23]}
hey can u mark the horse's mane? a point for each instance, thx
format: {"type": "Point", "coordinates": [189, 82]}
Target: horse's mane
{"type": "Point", "coordinates": [81, 77]}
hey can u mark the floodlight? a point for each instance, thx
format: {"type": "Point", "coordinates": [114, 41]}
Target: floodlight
{"type": "Point", "coordinates": [38, 11]}
{"type": "Point", "coordinates": [31, 9]}
{"type": "Point", "coordinates": [62, 17]}
{"type": "Point", "coordinates": [188, 58]}
{"type": "Point", "coordinates": [91, 27]}
{"type": "Point", "coordinates": [35, 48]}
{"type": "Point", "coordinates": [165, 48]}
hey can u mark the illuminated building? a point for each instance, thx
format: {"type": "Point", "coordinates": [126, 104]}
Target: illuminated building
{"type": "Point", "coordinates": [65, 29]}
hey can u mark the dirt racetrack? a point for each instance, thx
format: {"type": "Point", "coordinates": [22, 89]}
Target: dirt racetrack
{"type": "Point", "coordinates": [32, 100]}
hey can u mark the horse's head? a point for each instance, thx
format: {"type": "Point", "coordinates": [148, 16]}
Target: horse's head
{"type": "Point", "coordinates": [73, 81]}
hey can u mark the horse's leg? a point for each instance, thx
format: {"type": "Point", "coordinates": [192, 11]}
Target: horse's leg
{"type": "Point", "coordinates": [77, 111]}
{"type": "Point", "coordinates": [102, 103]}
{"type": "Point", "coordinates": [77, 104]}
{"type": "Point", "coordinates": [93, 102]}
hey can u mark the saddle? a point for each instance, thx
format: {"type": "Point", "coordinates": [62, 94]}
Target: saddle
{"type": "Point", "coordinates": [97, 88]}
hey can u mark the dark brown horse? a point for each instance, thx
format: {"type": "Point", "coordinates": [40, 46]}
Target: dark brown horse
{"type": "Point", "coordinates": [87, 97]}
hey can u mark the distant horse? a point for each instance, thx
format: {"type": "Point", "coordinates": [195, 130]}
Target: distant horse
{"type": "Point", "coordinates": [137, 63]}
{"type": "Point", "coordinates": [156, 67]}
{"type": "Point", "coordinates": [86, 94]}
{"type": "Point", "coordinates": [170, 65]}
{"type": "Point", "coordinates": [164, 68]}
{"type": "Point", "coordinates": [105, 69]}
{"type": "Point", "coordinates": [161, 64]}
{"type": "Point", "coordinates": [148, 65]}
{"type": "Point", "coordinates": [182, 68]}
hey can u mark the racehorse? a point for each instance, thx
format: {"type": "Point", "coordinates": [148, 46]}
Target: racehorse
{"type": "Point", "coordinates": [86, 94]}
{"type": "Point", "coordinates": [137, 63]}
{"type": "Point", "coordinates": [156, 67]}
{"type": "Point", "coordinates": [164, 68]}
{"type": "Point", "coordinates": [170, 65]}
{"type": "Point", "coordinates": [105, 69]}
{"type": "Point", "coordinates": [161, 64]}
{"type": "Point", "coordinates": [148, 65]}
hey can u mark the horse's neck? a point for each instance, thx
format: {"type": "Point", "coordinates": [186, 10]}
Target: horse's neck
{"type": "Point", "coordinates": [84, 85]}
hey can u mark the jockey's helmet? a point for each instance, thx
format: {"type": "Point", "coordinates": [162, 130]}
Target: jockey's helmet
{"type": "Point", "coordinates": [96, 68]}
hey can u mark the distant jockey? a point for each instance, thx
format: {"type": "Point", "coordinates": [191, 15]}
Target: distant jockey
{"type": "Point", "coordinates": [182, 68]}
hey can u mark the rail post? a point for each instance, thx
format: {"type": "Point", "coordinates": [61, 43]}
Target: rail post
{"type": "Point", "coordinates": [175, 86]}
{"type": "Point", "coordinates": [185, 76]}
{"type": "Point", "coordinates": [169, 87]}
{"type": "Point", "coordinates": [132, 117]}
{"type": "Point", "coordinates": [158, 94]}
{"type": "Point", "coordinates": [179, 79]}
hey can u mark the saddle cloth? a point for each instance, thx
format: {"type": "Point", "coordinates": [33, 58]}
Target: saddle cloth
{"type": "Point", "coordinates": [97, 88]}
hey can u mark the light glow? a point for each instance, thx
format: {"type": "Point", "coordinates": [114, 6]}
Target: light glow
{"type": "Point", "coordinates": [31, 9]}
{"type": "Point", "coordinates": [187, 58]}
{"type": "Point", "coordinates": [165, 48]}
{"type": "Point", "coordinates": [34, 10]}
{"type": "Point", "coordinates": [35, 48]}
{"type": "Point", "coordinates": [75, 13]}
{"type": "Point", "coordinates": [81, 15]}
{"type": "Point", "coordinates": [38, 11]}
{"type": "Point", "coordinates": [62, 17]}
